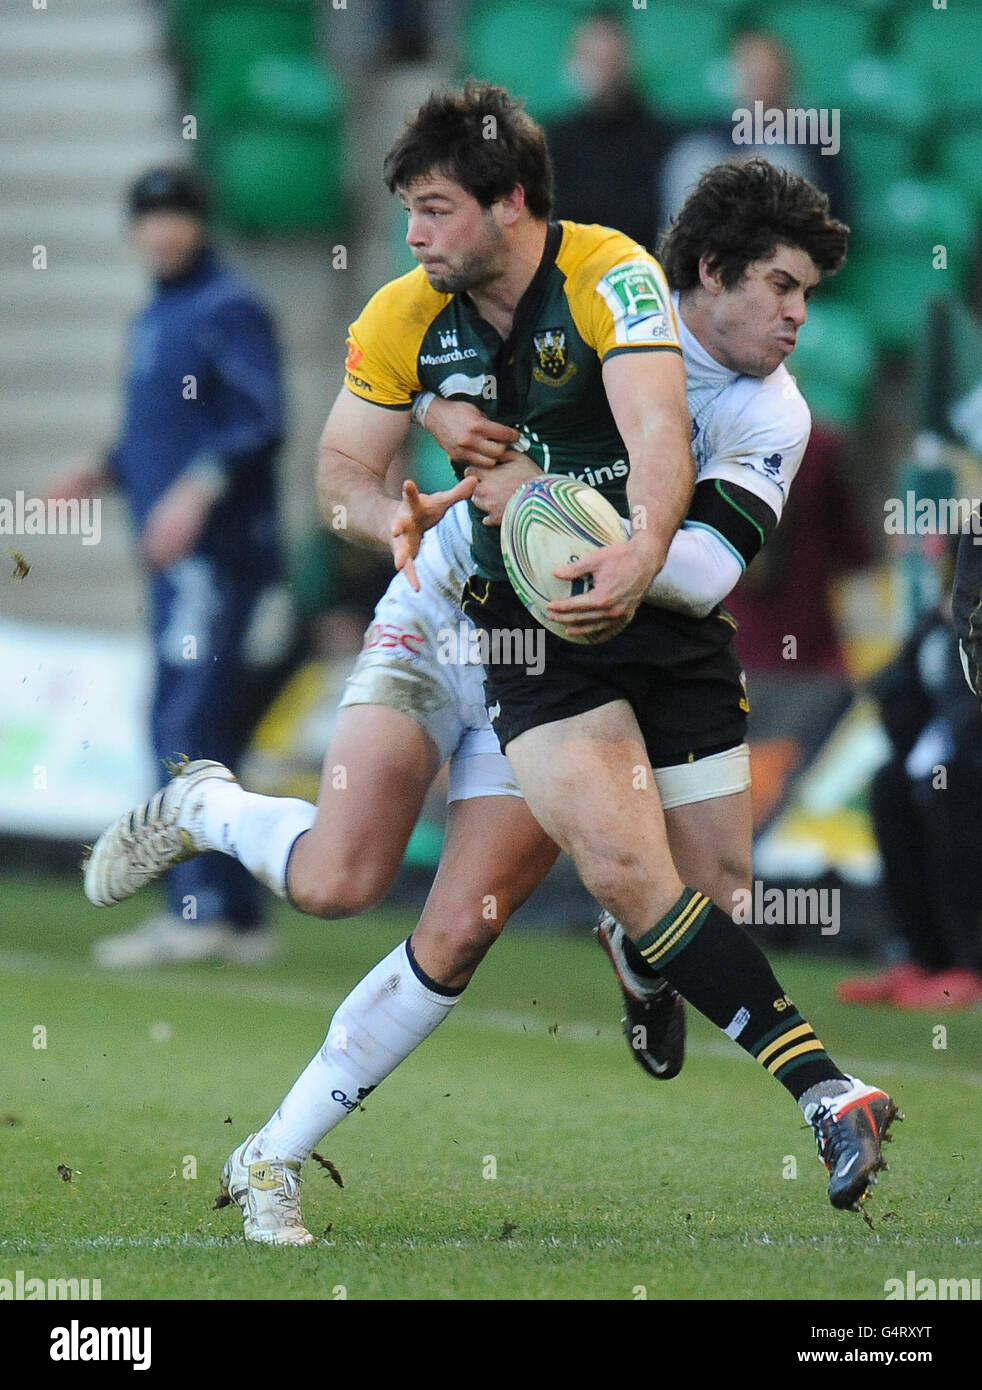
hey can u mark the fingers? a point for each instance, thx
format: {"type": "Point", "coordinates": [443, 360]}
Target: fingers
{"type": "Point", "coordinates": [576, 568]}
{"type": "Point", "coordinates": [409, 570]}
{"type": "Point", "coordinates": [586, 607]}
{"type": "Point", "coordinates": [594, 629]}
{"type": "Point", "coordinates": [582, 606]}
{"type": "Point", "coordinates": [485, 442]}
{"type": "Point", "coordinates": [459, 493]}
{"type": "Point", "coordinates": [483, 453]}
{"type": "Point", "coordinates": [410, 495]}
{"type": "Point", "coordinates": [403, 560]}
{"type": "Point", "coordinates": [588, 623]}
{"type": "Point", "coordinates": [494, 430]}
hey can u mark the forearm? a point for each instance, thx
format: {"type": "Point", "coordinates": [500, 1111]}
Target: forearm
{"type": "Point", "coordinates": [646, 392]}
{"type": "Point", "coordinates": [659, 490]}
{"type": "Point", "coordinates": [353, 500]}
{"type": "Point", "coordinates": [698, 573]}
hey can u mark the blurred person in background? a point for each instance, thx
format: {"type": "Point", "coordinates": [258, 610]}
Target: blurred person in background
{"type": "Point", "coordinates": [404, 31]}
{"type": "Point", "coordinates": [788, 592]}
{"type": "Point", "coordinates": [194, 460]}
{"type": "Point", "coordinates": [927, 814]}
{"type": "Point", "coordinates": [762, 71]}
{"type": "Point", "coordinates": [607, 154]}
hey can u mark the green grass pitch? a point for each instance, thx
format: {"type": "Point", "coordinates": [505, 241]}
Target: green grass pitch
{"type": "Point", "coordinates": [606, 1185]}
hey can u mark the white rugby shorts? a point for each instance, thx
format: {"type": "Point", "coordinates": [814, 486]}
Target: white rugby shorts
{"type": "Point", "coordinates": [418, 658]}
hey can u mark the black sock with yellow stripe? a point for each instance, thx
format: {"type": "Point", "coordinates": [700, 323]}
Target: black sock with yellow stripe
{"type": "Point", "coordinates": [722, 972]}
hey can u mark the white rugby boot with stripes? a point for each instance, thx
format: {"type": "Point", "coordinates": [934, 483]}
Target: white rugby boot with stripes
{"type": "Point", "coordinates": [267, 1192]}
{"type": "Point", "coordinates": [144, 843]}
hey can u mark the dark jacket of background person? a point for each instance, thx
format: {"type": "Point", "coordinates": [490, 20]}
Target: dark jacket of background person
{"type": "Point", "coordinates": [925, 682]}
{"type": "Point", "coordinates": [967, 606]}
{"type": "Point", "coordinates": [925, 801]}
{"type": "Point", "coordinates": [208, 325]}
{"type": "Point", "coordinates": [786, 592]}
{"type": "Point", "coordinates": [607, 162]}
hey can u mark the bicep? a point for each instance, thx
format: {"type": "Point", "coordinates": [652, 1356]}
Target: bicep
{"type": "Point", "coordinates": [364, 433]}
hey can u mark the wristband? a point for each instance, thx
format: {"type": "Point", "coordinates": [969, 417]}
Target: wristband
{"type": "Point", "coordinates": [421, 405]}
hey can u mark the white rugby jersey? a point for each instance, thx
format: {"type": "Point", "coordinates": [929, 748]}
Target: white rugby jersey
{"type": "Point", "coordinates": [747, 430]}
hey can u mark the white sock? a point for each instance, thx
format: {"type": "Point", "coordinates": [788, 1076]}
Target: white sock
{"type": "Point", "coordinates": [258, 831]}
{"type": "Point", "coordinates": [387, 1014]}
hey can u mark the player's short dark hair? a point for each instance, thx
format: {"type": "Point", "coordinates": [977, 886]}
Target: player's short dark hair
{"type": "Point", "coordinates": [451, 134]}
{"type": "Point", "coordinates": [739, 213]}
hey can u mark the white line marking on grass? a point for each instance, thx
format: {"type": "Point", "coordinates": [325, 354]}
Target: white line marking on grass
{"type": "Point", "coordinates": [832, 1242]}
{"type": "Point", "coordinates": [52, 1247]}
{"type": "Point", "coordinates": [251, 992]}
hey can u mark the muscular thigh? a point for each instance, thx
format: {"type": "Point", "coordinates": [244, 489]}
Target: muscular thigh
{"type": "Point", "coordinates": [711, 844]}
{"type": "Point", "coordinates": [587, 780]}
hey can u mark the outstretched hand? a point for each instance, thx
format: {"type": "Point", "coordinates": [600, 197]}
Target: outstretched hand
{"type": "Point", "coordinates": [416, 513]}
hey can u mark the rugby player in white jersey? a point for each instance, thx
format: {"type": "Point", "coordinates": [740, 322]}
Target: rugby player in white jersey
{"type": "Point", "coordinates": [755, 312]}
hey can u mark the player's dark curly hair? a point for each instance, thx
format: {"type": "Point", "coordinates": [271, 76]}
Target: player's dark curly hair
{"type": "Point", "coordinates": [481, 138]}
{"type": "Point", "coordinates": [741, 212]}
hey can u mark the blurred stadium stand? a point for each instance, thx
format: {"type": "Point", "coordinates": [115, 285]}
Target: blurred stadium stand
{"type": "Point", "coordinates": [296, 102]}
{"type": "Point", "coordinates": [87, 101]}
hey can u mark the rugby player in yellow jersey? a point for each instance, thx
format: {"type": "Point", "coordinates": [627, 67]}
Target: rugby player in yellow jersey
{"type": "Point", "coordinates": [520, 301]}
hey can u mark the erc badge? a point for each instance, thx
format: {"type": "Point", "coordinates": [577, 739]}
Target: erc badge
{"type": "Point", "coordinates": [554, 367]}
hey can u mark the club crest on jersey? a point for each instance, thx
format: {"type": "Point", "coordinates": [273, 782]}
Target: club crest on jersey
{"type": "Point", "coordinates": [554, 367]}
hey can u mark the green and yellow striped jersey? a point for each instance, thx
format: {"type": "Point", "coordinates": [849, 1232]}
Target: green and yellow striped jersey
{"type": "Point", "coordinates": [595, 293]}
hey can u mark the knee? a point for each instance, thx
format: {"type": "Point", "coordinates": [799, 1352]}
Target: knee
{"type": "Point", "coordinates": [339, 893]}
{"type": "Point", "coordinates": [611, 873]}
{"type": "Point", "coordinates": [463, 938]}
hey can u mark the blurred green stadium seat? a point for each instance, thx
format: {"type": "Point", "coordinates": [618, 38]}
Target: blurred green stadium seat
{"type": "Point", "coordinates": [430, 466]}
{"type": "Point", "coordinates": [523, 46]}
{"type": "Point", "coordinates": [917, 214]}
{"type": "Point", "coordinates": [890, 289]}
{"type": "Point", "coordinates": [959, 157]}
{"type": "Point", "coordinates": [823, 36]}
{"type": "Point", "coordinates": [945, 47]}
{"type": "Point", "coordinates": [277, 180]}
{"type": "Point", "coordinates": [877, 7]}
{"type": "Point", "coordinates": [690, 97]}
{"type": "Point", "coordinates": [886, 93]}
{"type": "Point", "coordinates": [401, 256]}
{"type": "Point", "coordinates": [670, 37]}
{"type": "Point", "coordinates": [233, 36]}
{"type": "Point", "coordinates": [874, 158]}
{"type": "Point", "coordinates": [290, 89]}
{"type": "Point", "coordinates": [834, 363]}
{"type": "Point", "coordinates": [886, 111]}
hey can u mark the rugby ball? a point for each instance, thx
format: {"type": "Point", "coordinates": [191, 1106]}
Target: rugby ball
{"type": "Point", "coordinates": [548, 522]}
